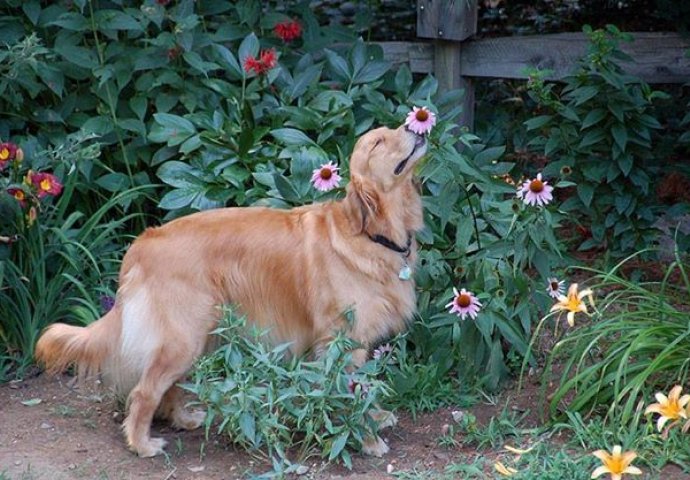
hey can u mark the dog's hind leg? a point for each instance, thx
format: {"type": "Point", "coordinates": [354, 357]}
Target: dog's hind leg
{"type": "Point", "coordinates": [144, 400]}
{"type": "Point", "coordinates": [173, 408]}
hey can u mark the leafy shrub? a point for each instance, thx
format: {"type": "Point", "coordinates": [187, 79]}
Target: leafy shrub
{"type": "Point", "coordinates": [599, 128]}
{"type": "Point", "coordinates": [286, 407]}
{"type": "Point", "coordinates": [167, 88]}
{"type": "Point", "coordinates": [639, 341]}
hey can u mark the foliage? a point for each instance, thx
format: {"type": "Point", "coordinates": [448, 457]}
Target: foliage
{"type": "Point", "coordinates": [287, 407]}
{"type": "Point", "coordinates": [167, 89]}
{"type": "Point", "coordinates": [639, 342]}
{"type": "Point", "coordinates": [598, 128]}
{"type": "Point", "coordinates": [58, 261]}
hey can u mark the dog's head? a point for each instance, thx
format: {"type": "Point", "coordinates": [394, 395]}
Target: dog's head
{"type": "Point", "coordinates": [381, 169]}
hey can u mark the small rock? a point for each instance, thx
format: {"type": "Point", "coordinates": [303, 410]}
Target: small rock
{"type": "Point", "coordinates": [389, 469]}
{"type": "Point", "coordinates": [46, 426]}
{"type": "Point", "coordinates": [302, 469]}
{"type": "Point", "coordinates": [458, 415]}
{"type": "Point", "coordinates": [18, 462]}
{"type": "Point", "coordinates": [72, 466]}
{"type": "Point", "coordinates": [445, 429]}
{"type": "Point", "coordinates": [198, 469]}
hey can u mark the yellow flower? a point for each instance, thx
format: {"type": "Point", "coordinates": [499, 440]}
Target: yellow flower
{"type": "Point", "coordinates": [616, 463]}
{"type": "Point", "coordinates": [503, 470]}
{"type": "Point", "coordinates": [573, 303]}
{"type": "Point", "coordinates": [671, 408]}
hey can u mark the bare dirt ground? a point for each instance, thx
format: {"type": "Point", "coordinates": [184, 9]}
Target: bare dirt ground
{"type": "Point", "coordinates": [74, 433]}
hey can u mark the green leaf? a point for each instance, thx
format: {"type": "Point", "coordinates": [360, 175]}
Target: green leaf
{"type": "Point", "coordinates": [286, 189]}
{"type": "Point", "coordinates": [303, 80]}
{"type": "Point", "coordinates": [538, 122]}
{"type": "Point", "coordinates": [592, 138]}
{"type": "Point", "coordinates": [625, 163]}
{"type": "Point", "coordinates": [83, 57]}
{"type": "Point", "coordinates": [71, 21]}
{"type": "Point", "coordinates": [620, 135]}
{"type": "Point", "coordinates": [403, 80]}
{"type": "Point", "coordinates": [489, 155]}
{"type": "Point", "coordinates": [593, 117]}
{"type": "Point", "coordinates": [248, 48]}
{"type": "Point", "coordinates": [291, 137]}
{"type": "Point", "coordinates": [32, 10]}
{"type": "Point", "coordinates": [338, 66]}
{"type": "Point", "coordinates": [338, 445]}
{"type": "Point", "coordinates": [248, 426]}
{"type": "Point", "coordinates": [113, 182]}
{"type": "Point", "coordinates": [116, 20]}
{"type": "Point", "coordinates": [178, 174]}
{"type": "Point", "coordinates": [586, 193]}
{"type": "Point", "coordinates": [172, 129]}
{"type": "Point", "coordinates": [372, 71]}
{"type": "Point", "coordinates": [227, 60]}
{"type": "Point", "coordinates": [178, 198]}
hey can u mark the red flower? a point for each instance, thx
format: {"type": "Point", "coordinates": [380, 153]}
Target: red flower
{"type": "Point", "coordinates": [45, 183]}
{"type": "Point", "coordinates": [288, 31]}
{"type": "Point", "coordinates": [266, 61]}
{"type": "Point", "coordinates": [8, 151]}
{"type": "Point", "coordinates": [19, 195]}
{"type": "Point", "coordinates": [163, 2]}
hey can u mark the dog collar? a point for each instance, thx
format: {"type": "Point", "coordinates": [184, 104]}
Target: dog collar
{"type": "Point", "coordinates": [390, 244]}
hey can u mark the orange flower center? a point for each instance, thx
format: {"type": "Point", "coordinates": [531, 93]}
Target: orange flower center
{"type": "Point", "coordinates": [45, 184]}
{"type": "Point", "coordinates": [463, 300]}
{"type": "Point", "coordinates": [19, 195]}
{"type": "Point", "coordinates": [4, 154]}
{"type": "Point", "coordinates": [326, 173]}
{"type": "Point", "coordinates": [422, 115]}
{"type": "Point", "coordinates": [536, 185]}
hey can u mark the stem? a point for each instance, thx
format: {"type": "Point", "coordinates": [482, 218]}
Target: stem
{"type": "Point", "coordinates": [474, 217]}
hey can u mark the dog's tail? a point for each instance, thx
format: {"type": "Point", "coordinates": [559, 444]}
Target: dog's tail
{"type": "Point", "coordinates": [87, 348]}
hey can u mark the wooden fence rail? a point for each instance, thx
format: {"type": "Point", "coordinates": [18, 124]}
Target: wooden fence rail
{"type": "Point", "coordinates": [658, 57]}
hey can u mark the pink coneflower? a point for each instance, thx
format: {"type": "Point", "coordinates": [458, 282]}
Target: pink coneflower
{"type": "Point", "coordinates": [420, 120]}
{"type": "Point", "coordinates": [326, 177]}
{"type": "Point", "coordinates": [288, 31]}
{"type": "Point", "coordinates": [555, 288]}
{"type": "Point", "coordinates": [535, 192]}
{"type": "Point", "coordinates": [464, 303]}
{"type": "Point", "coordinates": [266, 61]}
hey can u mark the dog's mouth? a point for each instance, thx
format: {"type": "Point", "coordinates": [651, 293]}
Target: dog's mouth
{"type": "Point", "coordinates": [419, 143]}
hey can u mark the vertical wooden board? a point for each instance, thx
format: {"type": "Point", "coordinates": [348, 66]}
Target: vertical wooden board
{"type": "Point", "coordinates": [446, 19]}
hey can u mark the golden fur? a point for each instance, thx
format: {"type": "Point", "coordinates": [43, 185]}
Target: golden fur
{"type": "Point", "coordinates": [295, 271]}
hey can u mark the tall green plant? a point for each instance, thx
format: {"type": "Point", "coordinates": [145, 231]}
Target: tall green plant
{"type": "Point", "coordinates": [599, 127]}
{"type": "Point", "coordinates": [639, 342]}
{"type": "Point", "coordinates": [58, 261]}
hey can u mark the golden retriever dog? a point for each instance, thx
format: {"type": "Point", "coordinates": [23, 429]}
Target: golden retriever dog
{"type": "Point", "coordinates": [295, 272]}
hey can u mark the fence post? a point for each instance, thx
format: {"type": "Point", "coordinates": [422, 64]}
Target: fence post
{"type": "Point", "coordinates": [449, 23]}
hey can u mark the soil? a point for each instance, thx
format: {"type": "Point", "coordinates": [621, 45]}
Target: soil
{"type": "Point", "coordinates": [74, 433]}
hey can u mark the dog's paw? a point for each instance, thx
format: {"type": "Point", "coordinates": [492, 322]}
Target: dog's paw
{"type": "Point", "coordinates": [384, 418]}
{"type": "Point", "coordinates": [187, 420]}
{"type": "Point", "coordinates": [374, 446]}
{"type": "Point", "coordinates": [150, 448]}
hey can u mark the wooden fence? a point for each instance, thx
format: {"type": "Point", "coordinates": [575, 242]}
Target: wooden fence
{"type": "Point", "coordinates": [455, 59]}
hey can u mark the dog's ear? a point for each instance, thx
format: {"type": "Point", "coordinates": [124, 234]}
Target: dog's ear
{"type": "Point", "coordinates": [364, 202]}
